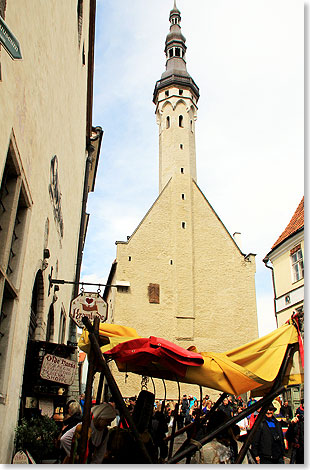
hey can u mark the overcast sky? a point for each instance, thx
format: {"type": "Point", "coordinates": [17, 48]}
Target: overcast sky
{"type": "Point", "coordinates": [246, 56]}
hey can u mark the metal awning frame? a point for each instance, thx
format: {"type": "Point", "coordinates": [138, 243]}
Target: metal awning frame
{"type": "Point", "coordinates": [97, 362]}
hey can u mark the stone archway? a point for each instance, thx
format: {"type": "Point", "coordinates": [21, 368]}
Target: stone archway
{"type": "Point", "coordinates": [36, 329]}
{"type": "Point", "coordinates": [36, 332]}
{"type": "Point", "coordinates": [50, 324]}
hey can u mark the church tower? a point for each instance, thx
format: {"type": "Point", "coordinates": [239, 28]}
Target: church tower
{"type": "Point", "coordinates": [180, 275]}
{"type": "Point", "coordinates": [176, 96]}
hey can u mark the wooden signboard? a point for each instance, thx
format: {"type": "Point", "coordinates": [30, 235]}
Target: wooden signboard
{"type": "Point", "coordinates": [90, 305]}
{"type": "Point", "coordinates": [58, 369]}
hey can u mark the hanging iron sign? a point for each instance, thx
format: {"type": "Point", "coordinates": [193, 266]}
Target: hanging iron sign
{"type": "Point", "coordinates": [58, 369]}
{"type": "Point", "coordinates": [90, 305]}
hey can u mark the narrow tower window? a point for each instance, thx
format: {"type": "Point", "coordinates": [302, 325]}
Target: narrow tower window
{"type": "Point", "coordinates": [178, 52]}
{"type": "Point", "coordinates": [183, 196]}
{"type": "Point", "coordinates": [181, 146]}
{"type": "Point", "coordinates": [183, 225]}
{"type": "Point", "coordinates": [192, 125]}
{"type": "Point", "coordinates": [180, 92]}
{"type": "Point", "coordinates": [167, 92]}
{"type": "Point", "coordinates": [182, 170]}
{"type": "Point", "coordinates": [167, 122]}
{"type": "Point", "coordinates": [181, 121]}
{"type": "Point", "coordinates": [170, 52]}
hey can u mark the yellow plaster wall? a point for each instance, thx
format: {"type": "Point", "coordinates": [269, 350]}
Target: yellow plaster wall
{"type": "Point", "coordinates": [207, 296]}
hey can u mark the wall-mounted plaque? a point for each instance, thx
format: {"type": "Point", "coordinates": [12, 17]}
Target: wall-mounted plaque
{"type": "Point", "coordinates": [58, 369]}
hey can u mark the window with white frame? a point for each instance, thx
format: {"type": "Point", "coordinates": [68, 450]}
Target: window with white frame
{"type": "Point", "coordinates": [14, 205]}
{"type": "Point", "coordinates": [297, 263]}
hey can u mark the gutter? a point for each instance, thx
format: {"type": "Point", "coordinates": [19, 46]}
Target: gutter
{"type": "Point", "coordinates": [89, 159]}
{"type": "Point", "coordinates": [265, 260]}
{"type": "Point", "coordinates": [90, 70]}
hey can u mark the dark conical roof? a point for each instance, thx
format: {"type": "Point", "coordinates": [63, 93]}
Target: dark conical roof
{"type": "Point", "coordinates": [175, 49]}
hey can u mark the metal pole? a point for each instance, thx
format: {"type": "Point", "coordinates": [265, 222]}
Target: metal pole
{"type": "Point", "coordinates": [262, 412]}
{"type": "Point", "coordinates": [203, 419]}
{"type": "Point", "coordinates": [100, 387]}
{"type": "Point", "coordinates": [175, 417]}
{"type": "Point", "coordinates": [252, 433]}
{"type": "Point", "coordinates": [114, 389]}
{"type": "Point", "coordinates": [193, 447]}
{"type": "Point", "coordinates": [188, 427]}
{"type": "Point", "coordinates": [88, 400]}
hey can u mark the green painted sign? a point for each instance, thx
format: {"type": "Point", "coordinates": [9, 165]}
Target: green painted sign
{"type": "Point", "coordinates": [9, 41]}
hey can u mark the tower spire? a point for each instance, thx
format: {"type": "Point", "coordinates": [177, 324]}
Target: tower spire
{"type": "Point", "coordinates": [175, 50]}
{"type": "Point", "coordinates": [176, 96]}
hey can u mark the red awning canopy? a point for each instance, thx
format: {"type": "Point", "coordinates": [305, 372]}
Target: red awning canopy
{"type": "Point", "coordinates": [143, 351]}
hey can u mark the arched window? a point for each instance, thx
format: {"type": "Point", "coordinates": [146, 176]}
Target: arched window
{"type": "Point", "coordinates": [62, 327]}
{"type": "Point", "coordinates": [36, 309]}
{"type": "Point", "coordinates": [50, 324]}
{"type": "Point", "coordinates": [168, 122]}
{"type": "Point", "coordinates": [181, 121]}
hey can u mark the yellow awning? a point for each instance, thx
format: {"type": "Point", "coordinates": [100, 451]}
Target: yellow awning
{"type": "Point", "coordinates": [252, 366]}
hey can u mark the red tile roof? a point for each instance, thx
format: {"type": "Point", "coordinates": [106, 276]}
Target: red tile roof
{"type": "Point", "coordinates": [296, 223]}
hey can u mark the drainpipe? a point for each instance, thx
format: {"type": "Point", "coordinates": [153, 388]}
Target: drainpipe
{"type": "Point", "coordinates": [90, 150]}
{"type": "Point", "coordinates": [75, 291]}
{"type": "Point", "coordinates": [89, 160]}
{"type": "Point", "coordinates": [265, 260]}
{"type": "Point", "coordinates": [73, 391]}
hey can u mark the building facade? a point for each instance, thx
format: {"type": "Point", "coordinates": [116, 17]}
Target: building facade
{"type": "Point", "coordinates": [287, 259]}
{"type": "Point", "coordinates": [48, 161]}
{"type": "Point", "coordinates": [181, 275]}
{"type": "Point", "coordinates": [287, 264]}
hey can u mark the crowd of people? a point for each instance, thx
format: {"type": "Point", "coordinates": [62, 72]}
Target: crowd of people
{"type": "Point", "coordinates": [109, 440]}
